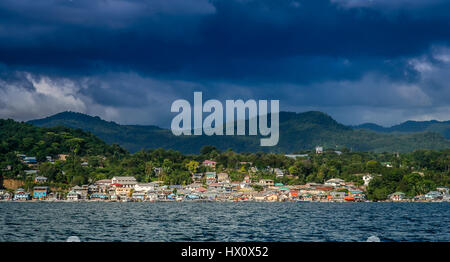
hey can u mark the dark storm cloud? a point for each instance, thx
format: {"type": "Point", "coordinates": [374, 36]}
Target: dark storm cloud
{"type": "Point", "coordinates": [122, 56]}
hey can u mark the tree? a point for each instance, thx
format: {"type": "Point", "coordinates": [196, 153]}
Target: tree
{"type": "Point", "coordinates": [294, 170]}
{"type": "Point", "coordinates": [206, 150]}
{"type": "Point", "coordinates": [148, 170]}
{"type": "Point", "coordinates": [192, 166]}
{"type": "Point", "coordinates": [373, 167]}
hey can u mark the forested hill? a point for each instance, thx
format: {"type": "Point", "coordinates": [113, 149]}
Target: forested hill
{"type": "Point", "coordinates": [441, 127]}
{"type": "Point", "coordinates": [298, 131]}
{"type": "Point", "coordinates": [16, 137]}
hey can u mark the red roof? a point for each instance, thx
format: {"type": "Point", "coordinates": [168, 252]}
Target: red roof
{"type": "Point", "coordinates": [201, 189]}
{"type": "Point", "coordinates": [116, 184]}
{"type": "Point", "coordinates": [209, 162]}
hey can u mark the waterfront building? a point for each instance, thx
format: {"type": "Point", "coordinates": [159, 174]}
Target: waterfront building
{"type": "Point", "coordinates": [272, 197]}
{"type": "Point", "coordinates": [40, 192]}
{"type": "Point", "coordinates": [73, 196]}
{"type": "Point", "coordinates": [138, 196]}
{"type": "Point", "coordinates": [397, 196]}
{"type": "Point", "coordinates": [433, 195]}
{"type": "Point", "coordinates": [99, 196]}
{"type": "Point", "coordinates": [20, 194]}
{"type": "Point", "coordinates": [81, 190]}
{"type": "Point", "coordinates": [336, 196]}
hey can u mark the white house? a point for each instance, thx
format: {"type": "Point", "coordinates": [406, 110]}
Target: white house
{"type": "Point", "coordinates": [319, 150]}
{"type": "Point", "coordinates": [125, 181]}
{"type": "Point", "coordinates": [367, 178]}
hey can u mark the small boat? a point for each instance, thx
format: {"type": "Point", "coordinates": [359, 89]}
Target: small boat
{"type": "Point", "coordinates": [349, 199]}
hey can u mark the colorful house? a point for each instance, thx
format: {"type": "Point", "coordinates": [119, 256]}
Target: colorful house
{"type": "Point", "coordinates": [209, 163]}
{"type": "Point", "coordinates": [40, 192]}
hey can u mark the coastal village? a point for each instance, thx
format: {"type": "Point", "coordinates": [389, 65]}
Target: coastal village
{"type": "Point", "coordinates": [207, 186]}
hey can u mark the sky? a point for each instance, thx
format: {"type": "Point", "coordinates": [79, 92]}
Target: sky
{"type": "Point", "coordinates": [378, 61]}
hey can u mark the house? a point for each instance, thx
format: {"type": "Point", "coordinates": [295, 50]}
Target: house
{"type": "Point", "coordinates": [73, 196]}
{"type": "Point", "coordinates": [93, 189]}
{"type": "Point", "coordinates": [20, 194]}
{"type": "Point", "coordinates": [209, 163]}
{"type": "Point", "coordinates": [259, 197]}
{"type": "Point", "coordinates": [367, 178]}
{"type": "Point", "coordinates": [40, 192]}
{"type": "Point", "coordinates": [82, 191]}
{"type": "Point", "coordinates": [62, 157]}
{"type": "Point", "coordinates": [138, 196]}
{"type": "Point", "coordinates": [40, 179]}
{"type": "Point", "coordinates": [201, 189]}
{"type": "Point", "coordinates": [99, 196]}
{"type": "Point", "coordinates": [319, 150]}
{"type": "Point", "coordinates": [442, 189]}
{"type": "Point", "coordinates": [49, 159]}
{"type": "Point", "coordinates": [193, 186]}
{"type": "Point", "coordinates": [324, 188]}
{"type": "Point", "coordinates": [334, 182]}
{"type": "Point", "coordinates": [272, 197]}
{"type": "Point", "coordinates": [433, 195]}
{"type": "Point", "coordinates": [122, 191]}
{"type": "Point", "coordinates": [158, 171]}
{"type": "Point", "coordinates": [266, 182]}
{"type": "Point", "coordinates": [103, 185]}
{"type": "Point", "coordinates": [125, 181]}
{"type": "Point", "coordinates": [397, 196]}
{"type": "Point", "coordinates": [278, 172]}
{"type": "Point", "coordinates": [31, 172]}
{"type": "Point", "coordinates": [30, 160]}
{"type": "Point", "coordinates": [5, 195]}
{"type": "Point", "coordinates": [293, 194]}
{"type": "Point", "coordinates": [177, 187]}
{"type": "Point", "coordinates": [214, 185]}
{"type": "Point", "coordinates": [222, 177]}
{"type": "Point", "coordinates": [386, 164]}
{"type": "Point", "coordinates": [210, 177]}
{"type": "Point", "coordinates": [152, 196]}
{"type": "Point", "coordinates": [144, 187]}
{"type": "Point", "coordinates": [84, 164]}
{"type": "Point", "coordinates": [336, 196]}
{"type": "Point", "coordinates": [197, 176]}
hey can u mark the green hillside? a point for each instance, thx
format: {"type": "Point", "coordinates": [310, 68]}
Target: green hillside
{"type": "Point", "coordinates": [298, 131]}
{"type": "Point", "coordinates": [441, 127]}
{"type": "Point", "coordinates": [30, 140]}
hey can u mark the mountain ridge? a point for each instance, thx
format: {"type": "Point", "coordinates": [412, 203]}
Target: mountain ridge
{"type": "Point", "coordinates": [298, 131]}
{"type": "Point", "coordinates": [411, 126]}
